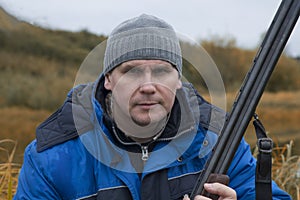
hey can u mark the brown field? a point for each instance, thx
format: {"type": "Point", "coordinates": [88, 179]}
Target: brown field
{"type": "Point", "coordinates": [19, 125]}
{"type": "Point", "coordinates": [280, 113]}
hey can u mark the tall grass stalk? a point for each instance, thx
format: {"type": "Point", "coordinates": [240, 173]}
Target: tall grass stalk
{"type": "Point", "coordinates": [9, 171]}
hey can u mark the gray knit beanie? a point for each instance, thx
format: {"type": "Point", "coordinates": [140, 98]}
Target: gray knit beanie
{"type": "Point", "coordinates": [144, 37]}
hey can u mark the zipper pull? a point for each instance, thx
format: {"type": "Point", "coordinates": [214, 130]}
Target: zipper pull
{"type": "Point", "coordinates": [145, 155]}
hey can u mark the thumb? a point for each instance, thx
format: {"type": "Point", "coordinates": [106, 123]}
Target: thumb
{"type": "Point", "coordinates": [222, 190]}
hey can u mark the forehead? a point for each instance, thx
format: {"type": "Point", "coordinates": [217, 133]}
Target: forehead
{"type": "Point", "coordinates": [134, 63]}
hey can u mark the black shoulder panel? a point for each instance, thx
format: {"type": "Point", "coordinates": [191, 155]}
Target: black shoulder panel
{"type": "Point", "coordinates": [61, 126]}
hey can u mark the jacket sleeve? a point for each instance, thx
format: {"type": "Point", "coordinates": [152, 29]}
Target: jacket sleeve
{"type": "Point", "coordinates": [242, 175]}
{"type": "Point", "coordinates": [32, 183]}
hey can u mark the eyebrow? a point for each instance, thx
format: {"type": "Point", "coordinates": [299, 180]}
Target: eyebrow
{"type": "Point", "coordinates": [127, 66]}
{"type": "Point", "coordinates": [130, 65]}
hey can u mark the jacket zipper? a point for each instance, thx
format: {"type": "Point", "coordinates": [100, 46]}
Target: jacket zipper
{"type": "Point", "coordinates": [144, 149]}
{"type": "Point", "coordinates": [145, 154]}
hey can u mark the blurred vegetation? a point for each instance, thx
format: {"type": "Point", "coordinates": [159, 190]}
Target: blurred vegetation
{"type": "Point", "coordinates": [234, 63]}
{"type": "Point", "coordinates": [38, 66]}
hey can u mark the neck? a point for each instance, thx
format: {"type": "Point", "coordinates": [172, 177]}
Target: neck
{"type": "Point", "coordinates": [146, 140]}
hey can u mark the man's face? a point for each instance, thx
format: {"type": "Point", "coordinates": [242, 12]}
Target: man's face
{"type": "Point", "coordinates": [143, 90]}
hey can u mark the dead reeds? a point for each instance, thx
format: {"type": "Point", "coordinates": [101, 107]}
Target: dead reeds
{"type": "Point", "coordinates": [286, 169]}
{"type": "Point", "coordinates": [9, 170]}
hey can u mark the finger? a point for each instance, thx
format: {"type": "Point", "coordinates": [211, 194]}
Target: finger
{"type": "Point", "coordinates": [199, 197]}
{"type": "Point", "coordinates": [220, 189]}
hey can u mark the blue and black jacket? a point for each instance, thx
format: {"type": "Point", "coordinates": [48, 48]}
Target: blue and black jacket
{"type": "Point", "coordinates": [80, 154]}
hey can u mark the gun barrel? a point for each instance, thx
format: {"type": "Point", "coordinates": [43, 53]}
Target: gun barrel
{"type": "Point", "coordinates": [250, 92]}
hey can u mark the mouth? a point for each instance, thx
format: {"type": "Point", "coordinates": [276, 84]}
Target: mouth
{"type": "Point", "coordinates": [147, 105]}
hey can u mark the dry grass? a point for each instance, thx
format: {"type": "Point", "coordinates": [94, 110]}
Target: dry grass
{"type": "Point", "coordinates": [9, 170]}
{"type": "Point", "coordinates": [286, 169]}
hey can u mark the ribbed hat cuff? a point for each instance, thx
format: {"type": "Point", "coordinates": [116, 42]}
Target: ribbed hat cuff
{"type": "Point", "coordinates": [143, 43]}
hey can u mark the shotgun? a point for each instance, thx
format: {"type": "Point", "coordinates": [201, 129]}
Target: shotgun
{"type": "Point", "coordinates": [250, 93]}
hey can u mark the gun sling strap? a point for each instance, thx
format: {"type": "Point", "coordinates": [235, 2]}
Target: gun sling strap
{"type": "Point", "coordinates": [263, 177]}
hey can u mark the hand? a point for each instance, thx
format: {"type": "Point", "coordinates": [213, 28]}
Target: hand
{"type": "Point", "coordinates": [224, 192]}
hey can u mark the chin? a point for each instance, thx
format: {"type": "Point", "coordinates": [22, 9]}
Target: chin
{"type": "Point", "coordinates": [141, 122]}
{"type": "Point", "coordinates": [145, 121]}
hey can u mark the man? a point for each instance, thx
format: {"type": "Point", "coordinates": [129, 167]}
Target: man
{"type": "Point", "coordinates": [138, 132]}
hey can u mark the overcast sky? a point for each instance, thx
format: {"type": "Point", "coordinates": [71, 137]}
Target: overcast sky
{"type": "Point", "coordinates": [245, 21]}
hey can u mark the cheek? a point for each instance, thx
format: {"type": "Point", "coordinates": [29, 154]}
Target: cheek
{"type": "Point", "coordinates": [122, 93]}
{"type": "Point", "coordinates": [168, 96]}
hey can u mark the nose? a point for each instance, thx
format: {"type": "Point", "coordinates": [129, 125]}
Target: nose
{"type": "Point", "coordinates": [148, 88]}
{"type": "Point", "coordinates": [147, 85]}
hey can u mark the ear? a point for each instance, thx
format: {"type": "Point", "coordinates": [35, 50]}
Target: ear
{"type": "Point", "coordinates": [107, 82]}
{"type": "Point", "coordinates": [179, 84]}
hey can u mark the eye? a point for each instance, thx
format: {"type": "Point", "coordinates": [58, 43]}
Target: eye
{"type": "Point", "coordinates": [130, 70]}
{"type": "Point", "coordinates": [161, 70]}
{"type": "Point", "coordinates": [135, 71]}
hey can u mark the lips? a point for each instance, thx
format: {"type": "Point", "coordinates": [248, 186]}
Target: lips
{"type": "Point", "coordinates": [147, 105]}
